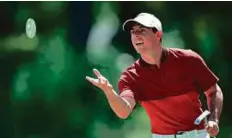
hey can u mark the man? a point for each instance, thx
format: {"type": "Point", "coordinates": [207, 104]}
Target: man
{"type": "Point", "coordinates": [166, 82]}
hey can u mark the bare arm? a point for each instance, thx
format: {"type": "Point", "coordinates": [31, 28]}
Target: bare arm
{"type": "Point", "coordinates": [215, 102]}
{"type": "Point", "coordinates": [122, 106]}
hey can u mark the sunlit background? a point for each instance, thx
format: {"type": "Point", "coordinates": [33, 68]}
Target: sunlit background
{"type": "Point", "coordinates": [44, 93]}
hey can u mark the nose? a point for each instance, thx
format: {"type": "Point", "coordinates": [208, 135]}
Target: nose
{"type": "Point", "coordinates": [137, 35]}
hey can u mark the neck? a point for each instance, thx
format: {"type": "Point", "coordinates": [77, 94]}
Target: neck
{"type": "Point", "coordinates": [153, 57]}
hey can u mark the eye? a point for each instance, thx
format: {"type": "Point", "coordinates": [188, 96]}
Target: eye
{"type": "Point", "coordinates": [132, 32]}
{"type": "Point", "coordinates": [143, 30]}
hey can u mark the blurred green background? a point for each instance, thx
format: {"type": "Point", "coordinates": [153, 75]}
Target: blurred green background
{"type": "Point", "coordinates": [44, 93]}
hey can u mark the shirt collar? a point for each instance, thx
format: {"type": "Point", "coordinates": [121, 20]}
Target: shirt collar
{"type": "Point", "coordinates": [163, 58]}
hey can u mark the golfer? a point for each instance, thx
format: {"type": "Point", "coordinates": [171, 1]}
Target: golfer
{"type": "Point", "coordinates": [166, 82]}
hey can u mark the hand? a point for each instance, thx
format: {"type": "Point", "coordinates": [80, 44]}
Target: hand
{"type": "Point", "coordinates": [101, 82]}
{"type": "Point", "coordinates": [212, 128]}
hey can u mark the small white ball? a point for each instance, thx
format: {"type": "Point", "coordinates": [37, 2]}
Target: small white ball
{"type": "Point", "coordinates": [30, 28]}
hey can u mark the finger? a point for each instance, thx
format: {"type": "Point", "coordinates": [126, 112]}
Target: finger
{"type": "Point", "coordinates": [89, 79]}
{"type": "Point", "coordinates": [214, 131]}
{"type": "Point", "coordinates": [103, 80]}
{"type": "Point", "coordinates": [97, 73]}
{"type": "Point", "coordinates": [92, 80]}
{"type": "Point", "coordinates": [209, 128]}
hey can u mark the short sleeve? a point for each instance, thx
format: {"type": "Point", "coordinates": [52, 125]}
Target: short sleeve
{"type": "Point", "coordinates": [203, 76]}
{"type": "Point", "coordinates": [124, 84]}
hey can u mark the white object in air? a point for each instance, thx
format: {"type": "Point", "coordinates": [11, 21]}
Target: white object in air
{"type": "Point", "coordinates": [201, 117]}
{"type": "Point", "coordinates": [30, 28]}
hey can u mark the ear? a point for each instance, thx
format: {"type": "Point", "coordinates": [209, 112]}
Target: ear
{"type": "Point", "coordinates": [159, 34]}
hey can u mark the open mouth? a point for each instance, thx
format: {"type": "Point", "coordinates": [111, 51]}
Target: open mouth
{"type": "Point", "coordinates": [139, 43]}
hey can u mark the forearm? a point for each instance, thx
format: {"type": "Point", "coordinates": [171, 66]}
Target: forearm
{"type": "Point", "coordinates": [215, 103]}
{"type": "Point", "coordinates": [120, 106]}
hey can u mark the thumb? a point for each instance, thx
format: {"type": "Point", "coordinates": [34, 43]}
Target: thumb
{"type": "Point", "coordinates": [92, 80]}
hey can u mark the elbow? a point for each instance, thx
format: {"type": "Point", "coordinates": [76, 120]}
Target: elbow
{"type": "Point", "coordinates": [214, 91]}
{"type": "Point", "coordinates": [123, 115]}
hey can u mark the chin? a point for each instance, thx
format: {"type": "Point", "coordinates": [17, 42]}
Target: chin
{"type": "Point", "coordinates": [140, 52]}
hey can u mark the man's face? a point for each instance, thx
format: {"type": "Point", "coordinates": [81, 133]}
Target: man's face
{"type": "Point", "coordinates": [143, 39]}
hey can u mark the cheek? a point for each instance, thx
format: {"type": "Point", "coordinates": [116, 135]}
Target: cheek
{"type": "Point", "coordinates": [132, 40]}
{"type": "Point", "coordinates": [146, 41]}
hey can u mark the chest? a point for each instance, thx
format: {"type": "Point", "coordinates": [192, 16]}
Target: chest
{"type": "Point", "coordinates": [158, 83]}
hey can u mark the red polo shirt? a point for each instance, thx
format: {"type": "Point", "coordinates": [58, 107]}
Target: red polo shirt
{"type": "Point", "coordinates": [170, 93]}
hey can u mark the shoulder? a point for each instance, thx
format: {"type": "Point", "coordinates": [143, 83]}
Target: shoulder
{"type": "Point", "coordinates": [184, 53]}
{"type": "Point", "coordinates": [127, 78]}
{"type": "Point", "coordinates": [128, 72]}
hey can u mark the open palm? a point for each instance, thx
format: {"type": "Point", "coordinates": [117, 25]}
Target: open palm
{"type": "Point", "coordinates": [101, 82]}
